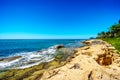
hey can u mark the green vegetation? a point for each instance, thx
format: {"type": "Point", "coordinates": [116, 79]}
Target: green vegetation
{"type": "Point", "coordinates": [112, 36]}
{"type": "Point", "coordinates": [114, 31]}
{"type": "Point", "coordinates": [113, 41]}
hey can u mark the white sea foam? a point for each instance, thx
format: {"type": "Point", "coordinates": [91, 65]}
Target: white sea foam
{"type": "Point", "coordinates": [5, 64]}
{"type": "Point", "coordinates": [29, 59]}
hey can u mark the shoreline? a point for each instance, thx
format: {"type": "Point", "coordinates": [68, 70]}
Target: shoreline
{"type": "Point", "coordinates": [29, 59]}
{"type": "Point", "coordinates": [44, 54]}
{"type": "Point", "coordinates": [95, 57]}
{"type": "Point", "coordinates": [97, 60]}
{"type": "Point", "coordinates": [39, 69]}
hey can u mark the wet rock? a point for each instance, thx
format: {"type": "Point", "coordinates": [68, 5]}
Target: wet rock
{"type": "Point", "coordinates": [60, 46]}
{"type": "Point", "coordinates": [10, 59]}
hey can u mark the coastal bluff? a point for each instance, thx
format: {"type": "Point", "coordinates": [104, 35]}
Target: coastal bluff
{"type": "Point", "coordinates": [97, 60]}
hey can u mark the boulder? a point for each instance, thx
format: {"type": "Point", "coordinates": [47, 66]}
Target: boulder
{"type": "Point", "coordinates": [86, 42]}
{"type": "Point", "coordinates": [59, 46]}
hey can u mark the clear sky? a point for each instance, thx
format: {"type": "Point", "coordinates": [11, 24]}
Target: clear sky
{"type": "Point", "coordinates": [56, 18]}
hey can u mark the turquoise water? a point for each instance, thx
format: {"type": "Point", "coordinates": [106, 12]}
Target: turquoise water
{"type": "Point", "coordinates": [31, 51]}
{"type": "Point", "coordinates": [9, 47]}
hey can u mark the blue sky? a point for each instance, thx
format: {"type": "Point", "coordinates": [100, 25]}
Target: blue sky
{"type": "Point", "coordinates": [21, 19]}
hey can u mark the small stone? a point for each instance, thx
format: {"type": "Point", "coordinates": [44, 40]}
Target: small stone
{"type": "Point", "coordinates": [111, 48]}
{"type": "Point", "coordinates": [75, 66]}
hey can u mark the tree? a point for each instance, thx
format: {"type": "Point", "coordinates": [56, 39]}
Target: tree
{"type": "Point", "coordinates": [114, 31]}
{"type": "Point", "coordinates": [103, 34]}
{"type": "Point", "coordinates": [99, 35]}
{"type": "Point", "coordinates": [108, 34]}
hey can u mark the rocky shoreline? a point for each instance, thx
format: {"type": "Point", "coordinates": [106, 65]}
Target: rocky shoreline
{"type": "Point", "coordinates": [29, 59]}
{"type": "Point", "coordinates": [35, 72]}
{"type": "Point", "coordinates": [98, 60]}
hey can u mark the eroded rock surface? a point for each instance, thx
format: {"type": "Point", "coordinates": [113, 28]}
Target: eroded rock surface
{"type": "Point", "coordinates": [96, 61]}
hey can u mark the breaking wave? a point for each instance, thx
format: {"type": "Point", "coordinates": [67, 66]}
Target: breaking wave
{"type": "Point", "coordinates": [28, 59]}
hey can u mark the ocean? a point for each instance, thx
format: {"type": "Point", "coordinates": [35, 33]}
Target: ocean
{"type": "Point", "coordinates": [31, 51]}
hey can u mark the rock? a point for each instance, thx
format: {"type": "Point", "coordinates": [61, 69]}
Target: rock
{"type": "Point", "coordinates": [86, 42]}
{"type": "Point", "coordinates": [111, 48]}
{"type": "Point", "coordinates": [93, 42]}
{"type": "Point", "coordinates": [106, 58]}
{"type": "Point", "coordinates": [10, 59]}
{"type": "Point", "coordinates": [93, 62]}
{"type": "Point", "coordinates": [85, 47]}
{"type": "Point", "coordinates": [75, 66]}
{"type": "Point", "coordinates": [98, 61]}
{"type": "Point", "coordinates": [60, 46]}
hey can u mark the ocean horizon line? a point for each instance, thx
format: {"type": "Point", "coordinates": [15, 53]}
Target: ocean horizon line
{"type": "Point", "coordinates": [45, 38]}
